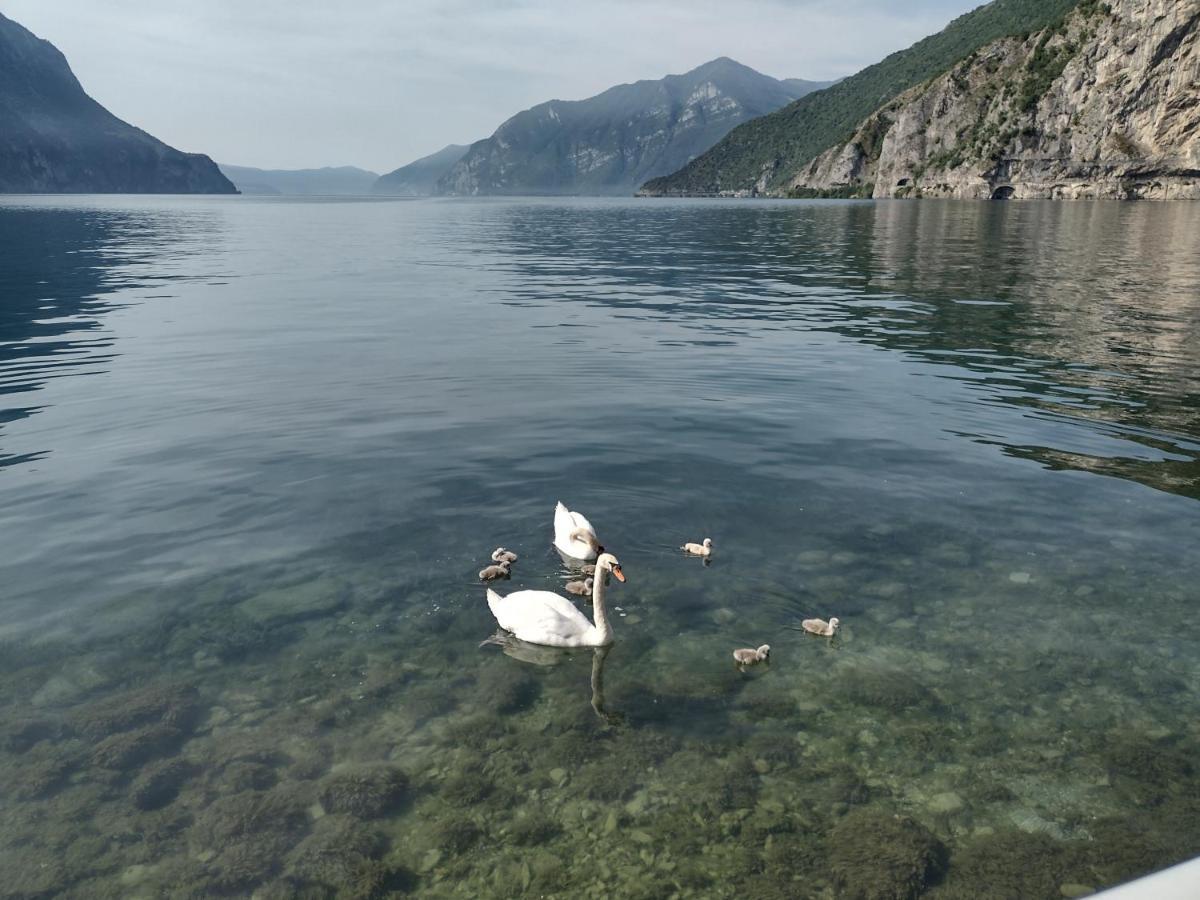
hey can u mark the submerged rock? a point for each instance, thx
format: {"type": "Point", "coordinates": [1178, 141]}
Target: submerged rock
{"type": "Point", "coordinates": [169, 704]}
{"type": "Point", "coordinates": [335, 853]}
{"type": "Point", "coordinates": [160, 783]}
{"type": "Point", "coordinates": [877, 856]}
{"type": "Point", "coordinates": [243, 839]}
{"type": "Point", "coordinates": [131, 749]}
{"type": "Point", "coordinates": [367, 792]}
{"type": "Point", "coordinates": [307, 600]}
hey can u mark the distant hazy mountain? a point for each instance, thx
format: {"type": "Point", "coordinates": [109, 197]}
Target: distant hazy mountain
{"type": "Point", "coordinates": [420, 178]}
{"type": "Point", "coordinates": [54, 138]}
{"type": "Point", "coordinates": [329, 180]}
{"type": "Point", "coordinates": [611, 143]}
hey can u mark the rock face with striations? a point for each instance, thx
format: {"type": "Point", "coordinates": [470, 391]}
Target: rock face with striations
{"type": "Point", "coordinates": [54, 138]}
{"type": "Point", "coordinates": [764, 154]}
{"type": "Point", "coordinates": [611, 143]}
{"type": "Point", "coordinates": [1104, 104]}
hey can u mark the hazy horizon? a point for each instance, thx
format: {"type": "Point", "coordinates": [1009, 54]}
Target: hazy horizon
{"type": "Point", "coordinates": [302, 86]}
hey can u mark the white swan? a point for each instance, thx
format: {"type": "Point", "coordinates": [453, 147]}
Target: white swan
{"type": "Point", "coordinates": [704, 549]}
{"type": "Point", "coordinates": [574, 535]}
{"type": "Point", "coordinates": [544, 617]}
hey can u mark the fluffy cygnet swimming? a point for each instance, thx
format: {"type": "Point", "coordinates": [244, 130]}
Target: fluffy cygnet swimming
{"type": "Point", "coordinates": [491, 573]}
{"type": "Point", "coordinates": [820, 626]}
{"type": "Point", "coordinates": [749, 656]}
{"type": "Point", "coordinates": [698, 549]}
{"type": "Point", "coordinates": [501, 555]}
{"type": "Point", "coordinates": [581, 588]}
{"type": "Point", "coordinates": [589, 569]}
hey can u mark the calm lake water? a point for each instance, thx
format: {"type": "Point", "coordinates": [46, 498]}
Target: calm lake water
{"type": "Point", "coordinates": [254, 451]}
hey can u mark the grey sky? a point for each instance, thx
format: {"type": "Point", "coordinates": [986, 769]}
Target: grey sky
{"type": "Point", "coordinates": [300, 83]}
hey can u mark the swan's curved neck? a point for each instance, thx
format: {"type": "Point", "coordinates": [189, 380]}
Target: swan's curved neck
{"type": "Point", "coordinates": [603, 629]}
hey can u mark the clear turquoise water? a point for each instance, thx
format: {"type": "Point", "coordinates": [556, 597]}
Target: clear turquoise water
{"type": "Point", "coordinates": [253, 452]}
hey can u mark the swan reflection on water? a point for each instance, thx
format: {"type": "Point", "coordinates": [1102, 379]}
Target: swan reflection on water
{"type": "Point", "coordinates": [538, 655]}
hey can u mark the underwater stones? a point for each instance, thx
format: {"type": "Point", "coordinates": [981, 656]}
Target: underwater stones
{"type": "Point", "coordinates": [248, 776]}
{"type": "Point", "coordinates": [606, 780]}
{"type": "Point", "coordinates": [877, 856]}
{"type": "Point", "coordinates": [775, 748]}
{"type": "Point", "coordinates": [770, 706]}
{"type": "Point", "coordinates": [366, 792]}
{"type": "Point", "coordinates": [75, 680]}
{"type": "Point", "coordinates": [994, 792]}
{"type": "Point", "coordinates": [845, 786]}
{"type": "Point", "coordinates": [946, 804]}
{"type": "Point", "coordinates": [509, 690]}
{"type": "Point", "coordinates": [794, 853]}
{"type": "Point", "coordinates": [307, 600]}
{"type": "Point", "coordinates": [427, 701]}
{"type": "Point", "coordinates": [1010, 864]}
{"type": "Point", "coordinates": [243, 838]}
{"type": "Point", "coordinates": [455, 836]}
{"type": "Point", "coordinates": [160, 783]}
{"type": "Point", "coordinates": [291, 889]}
{"type": "Point", "coordinates": [475, 732]}
{"type": "Point", "coordinates": [1074, 890]}
{"type": "Point", "coordinates": [1149, 770]}
{"type": "Point", "coordinates": [466, 788]}
{"type": "Point", "coordinates": [32, 873]}
{"type": "Point", "coordinates": [42, 772]}
{"type": "Point", "coordinates": [534, 829]}
{"type": "Point", "coordinates": [335, 851]}
{"type": "Point", "coordinates": [893, 690]}
{"type": "Point", "coordinates": [131, 749]}
{"type": "Point", "coordinates": [723, 616]}
{"type": "Point", "coordinates": [1020, 577]}
{"type": "Point", "coordinates": [309, 761]}
{"type": "Point", "coordinates": [20, 734]}
{"type": "Point", "coordinates": [254, 812]}
{"type": "Point", "coordinates": [230, 638]}
{"type": "Point", "coordinates": [168, 704]}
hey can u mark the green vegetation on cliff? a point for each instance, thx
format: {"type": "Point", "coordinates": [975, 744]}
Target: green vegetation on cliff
{"type": "Point", "coordinates": [780, 143]}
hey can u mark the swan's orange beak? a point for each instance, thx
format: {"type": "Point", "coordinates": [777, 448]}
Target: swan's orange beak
{"type": "Point", "coordinates": [616, 570]}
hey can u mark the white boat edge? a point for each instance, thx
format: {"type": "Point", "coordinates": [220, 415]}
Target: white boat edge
{"type": "Point", "coordinates": [1180, 882]}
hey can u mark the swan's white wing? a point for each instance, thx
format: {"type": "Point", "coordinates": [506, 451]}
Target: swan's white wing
{"type": "Point", "coordinates": [541, 617]}
{"type": "Point", "coordinates": [565, 522]}
{"type": "Point", "coordinates": [581, 522]}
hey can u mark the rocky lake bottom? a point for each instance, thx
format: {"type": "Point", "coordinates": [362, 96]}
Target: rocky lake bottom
{"type": "Point", "coordinates": [335, 730]}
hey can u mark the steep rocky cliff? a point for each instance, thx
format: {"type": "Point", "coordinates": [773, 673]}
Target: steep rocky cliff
{"type": "Point", "coordinates": [1105, 103]}
{"type": "Point", "coordinates": [54, 138]}
{"type": "Point", "coordinates": [611, 143]}
{"type": "Point", "coordinates": [765, 154]}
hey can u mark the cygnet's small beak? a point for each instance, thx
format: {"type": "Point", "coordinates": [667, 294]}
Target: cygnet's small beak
{"type": "Point", "coordinates": [616, 570]}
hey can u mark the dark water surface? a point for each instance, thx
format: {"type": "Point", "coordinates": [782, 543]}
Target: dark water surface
{"type": "Point", "coordinates": [253, 452]}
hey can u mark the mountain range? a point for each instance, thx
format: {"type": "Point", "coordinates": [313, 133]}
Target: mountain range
{"type": "Point", "coordinates": [420, 177]}
{"type": "Point", "coordinates": [327, 180]}
{"type": "Point", "coordinates": [612, 142]}
{"type": "Point", "coordinates": [763, 155]}
{"type": "Point", "coordinates": [54, 138]}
